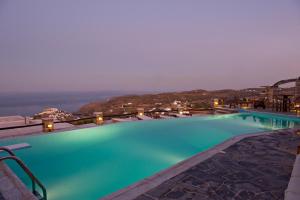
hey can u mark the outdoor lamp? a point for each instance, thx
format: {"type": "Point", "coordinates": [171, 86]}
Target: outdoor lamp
{"type": "Point", "coordinates": [48, 125]}
{"type": "Point", "coordinates": [99, 118]}
{"type": "Point", "coordinates": [140, 111]}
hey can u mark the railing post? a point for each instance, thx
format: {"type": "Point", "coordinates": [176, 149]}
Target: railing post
{"type": "Point", "coordinates": [48, 124]}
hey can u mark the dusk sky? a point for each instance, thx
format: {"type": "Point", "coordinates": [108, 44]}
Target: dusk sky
{"type": "Point", "coordinates": [154, 45]}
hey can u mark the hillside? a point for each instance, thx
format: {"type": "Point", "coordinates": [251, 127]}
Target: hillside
{"type": "Point", "coordinates": [194, 98]}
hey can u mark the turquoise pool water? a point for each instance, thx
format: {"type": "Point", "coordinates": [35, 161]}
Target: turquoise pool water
{"type": "Point", "coordinates": [94, 162]}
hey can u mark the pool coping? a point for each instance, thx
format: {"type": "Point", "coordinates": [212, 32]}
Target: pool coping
{"type": "Point", "coordinates": [136, 189]}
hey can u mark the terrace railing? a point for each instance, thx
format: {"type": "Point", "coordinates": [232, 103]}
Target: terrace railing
{"type": "Point", "coordinates": [35, 181]}
{"type": "Point", "coordinates": [85, 118]}
{"type": "Point", "coordinates": [69, 121]}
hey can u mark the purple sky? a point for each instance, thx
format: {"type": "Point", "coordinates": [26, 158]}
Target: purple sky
{"type": "Point", "coordinates": [89, 45]}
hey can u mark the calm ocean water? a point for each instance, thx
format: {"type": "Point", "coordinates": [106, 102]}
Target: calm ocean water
{"type": "Point", "coordinates": [27, 104]}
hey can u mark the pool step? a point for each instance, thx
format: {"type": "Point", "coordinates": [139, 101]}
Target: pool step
{"type": "Point", "coordinates": [17, 146]}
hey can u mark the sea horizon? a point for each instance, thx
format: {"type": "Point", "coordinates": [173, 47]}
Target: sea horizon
{"type": "Point", "coordinates": [30, 103]}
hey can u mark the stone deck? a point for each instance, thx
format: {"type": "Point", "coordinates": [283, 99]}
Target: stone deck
{"type": "Point", "coordinates": [257, 168]}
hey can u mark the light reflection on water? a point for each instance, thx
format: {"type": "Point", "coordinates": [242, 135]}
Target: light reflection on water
{"type": "Point", "coordinates": [269, 122]}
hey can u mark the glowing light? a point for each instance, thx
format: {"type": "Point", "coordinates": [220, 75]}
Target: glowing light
{"type": "Point", "coordinates": [100, 118]}
{"type": "Point", "coordinates": [140, 111]}
{"type": "Point", "coordinates": [49, 126]}
{"type": "Point", "coordinates": [216, 102]}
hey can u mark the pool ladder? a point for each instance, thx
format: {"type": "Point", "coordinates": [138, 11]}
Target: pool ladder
{"type": "Point", "coordinates": [34, 180]}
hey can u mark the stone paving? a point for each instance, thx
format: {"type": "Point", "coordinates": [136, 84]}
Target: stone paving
{"type": "Point", "coordinates": [255, 168]}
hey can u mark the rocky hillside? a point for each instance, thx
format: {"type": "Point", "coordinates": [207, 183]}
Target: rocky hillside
{"type": "Point", "coordinates": [194, 98]}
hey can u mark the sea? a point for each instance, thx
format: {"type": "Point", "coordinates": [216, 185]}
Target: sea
{"type": "Point", "coordinates": [28, 104]}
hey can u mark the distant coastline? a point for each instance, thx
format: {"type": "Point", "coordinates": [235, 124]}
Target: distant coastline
{"type": "Point", "coordinates": [28, 104]}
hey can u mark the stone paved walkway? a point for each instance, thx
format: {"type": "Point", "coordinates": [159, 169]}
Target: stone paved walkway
{"type": "Point", "coordinates": [257, 168]}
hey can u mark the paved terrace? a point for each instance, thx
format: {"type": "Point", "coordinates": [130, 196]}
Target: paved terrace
{"type": "Point", "coordinates": [255, 168]}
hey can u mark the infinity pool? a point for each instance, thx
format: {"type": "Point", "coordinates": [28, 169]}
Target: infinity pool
{"type": "Point", "coordinates": [93, 162]}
